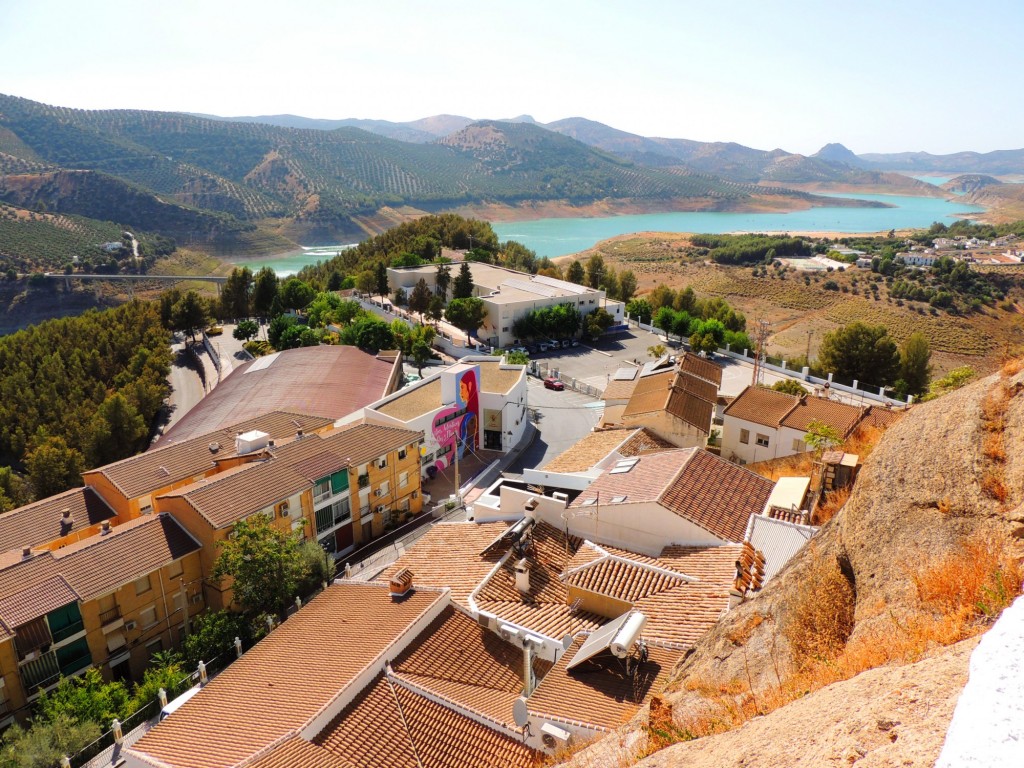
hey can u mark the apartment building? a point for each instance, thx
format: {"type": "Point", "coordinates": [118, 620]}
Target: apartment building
{"type": "Point", "coordinates": [109, 600]}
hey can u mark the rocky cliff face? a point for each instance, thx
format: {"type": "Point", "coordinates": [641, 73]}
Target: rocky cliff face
{"type": "Point", "coordinates": [946, 475]}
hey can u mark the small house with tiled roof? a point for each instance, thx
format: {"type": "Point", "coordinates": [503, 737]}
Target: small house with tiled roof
{"type": "Point", "coordinates": [762, 424]}
{"type": "Point", "coordinates": [675, 401]}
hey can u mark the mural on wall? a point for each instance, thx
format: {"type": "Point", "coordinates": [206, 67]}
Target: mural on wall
{"type": "Point", "coordinates": [466, 427]}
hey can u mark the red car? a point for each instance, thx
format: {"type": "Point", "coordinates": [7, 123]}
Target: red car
{"type": "Point", "coordinates": [552, 383]}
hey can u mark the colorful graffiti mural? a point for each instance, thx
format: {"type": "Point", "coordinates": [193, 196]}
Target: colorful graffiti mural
{"type": "Point", "coordinates": [459, 432]}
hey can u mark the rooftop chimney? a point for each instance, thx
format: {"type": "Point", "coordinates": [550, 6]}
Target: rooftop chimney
{"type": "Point", "coordinates": [298, 434]}
{"type": "Point", "coordinates": [523, 576]}
{"type": "Point", "coordinates": [401, 584]}
{"type": "Point", "coordinates": [66, 513]}
{"type": "Point", "coordinates": [105, 527]}
{"type": "Point", "coordinates": [26, 552]}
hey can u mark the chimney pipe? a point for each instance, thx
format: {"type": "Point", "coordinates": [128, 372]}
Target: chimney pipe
{"type": "Point", "coordinates": [527, 669]}
{"type": "Point", "coordinates": [523, 576]}
{"type": "Point", "coordinates": [26, 551]}
{"type": "Point", "coordinates": [105, 527]}
{"type": "Point", "coordinates": [298, 434]}
{"type": "Point", "coordinates": [66, 513]}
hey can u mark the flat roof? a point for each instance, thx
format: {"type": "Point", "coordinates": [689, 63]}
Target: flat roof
{"type": "Point", "coordinates": [425, 396]}
{"type": "Point", "coordinates": [325, 381]}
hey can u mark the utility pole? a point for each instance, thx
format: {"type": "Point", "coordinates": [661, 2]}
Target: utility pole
{"type": "Point", "coordinates": [458, 484]}
{"type": "Point", "coordinates": [763, 327]}
{"type": "Point", "coordinates": [807, 358]}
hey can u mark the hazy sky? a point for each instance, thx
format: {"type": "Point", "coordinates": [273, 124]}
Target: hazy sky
{"type": "Point", "coordinates": [876, 75]}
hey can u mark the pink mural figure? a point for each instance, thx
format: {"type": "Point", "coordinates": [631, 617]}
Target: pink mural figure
{"type": "Point", "coordinates": [469, 399]}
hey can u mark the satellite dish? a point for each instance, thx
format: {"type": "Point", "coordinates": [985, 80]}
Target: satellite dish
{"type": "Point", "coordinates": [520, 714]}
{"type": "Point", "coordinates": [566, 642]}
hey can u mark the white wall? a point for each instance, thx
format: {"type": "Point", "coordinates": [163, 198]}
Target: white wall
{"type": "Point", "coordinates": [751, 452]}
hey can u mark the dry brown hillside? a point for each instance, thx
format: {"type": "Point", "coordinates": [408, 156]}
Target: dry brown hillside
{"type": "Point", "coordinates": [923, 556]}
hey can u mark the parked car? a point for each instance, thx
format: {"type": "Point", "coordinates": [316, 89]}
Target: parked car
{"type": "Point", "coordinates": [552, 383]}
{"type": "Point", "coordinates": [543, 346]}
{"type": "Point", "coordinates": [566, 343]}
{"type": "Point", "coordinates": [574, 343]}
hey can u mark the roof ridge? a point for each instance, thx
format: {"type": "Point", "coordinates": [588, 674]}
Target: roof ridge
{"type": "Point", "coordinates": [449, 703]}
{"type": "Point", "coordinates": [401, 714]}
{"type": "Point", "coordinates": [99, 538]}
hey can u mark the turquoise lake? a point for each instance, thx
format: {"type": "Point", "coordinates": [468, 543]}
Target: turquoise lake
{"type": "Point", "coordinates": [559, 237]}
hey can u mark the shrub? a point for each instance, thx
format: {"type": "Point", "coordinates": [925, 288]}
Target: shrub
{"type": "Point", "coordinates": [821, 619]}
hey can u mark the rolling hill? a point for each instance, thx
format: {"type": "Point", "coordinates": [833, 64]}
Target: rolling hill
{"type": "Point", "coordinates": [207, 180]}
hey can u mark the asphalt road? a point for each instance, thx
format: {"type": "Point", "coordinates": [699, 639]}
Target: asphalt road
{"type": "Point", "coordinates": [562, 419]}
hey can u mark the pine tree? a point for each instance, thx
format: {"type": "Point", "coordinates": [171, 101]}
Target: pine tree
{"type": "Point", "coordinates": [462, 288]}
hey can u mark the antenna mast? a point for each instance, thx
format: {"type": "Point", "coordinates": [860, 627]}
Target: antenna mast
{"type": "Point", "coordinates": [763, 327]}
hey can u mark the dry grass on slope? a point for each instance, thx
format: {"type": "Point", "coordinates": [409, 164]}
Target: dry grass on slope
{"type": "Point", "coordinates": [920, 557]}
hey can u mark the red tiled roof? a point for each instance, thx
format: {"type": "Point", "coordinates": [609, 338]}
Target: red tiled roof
{"type": "Point", "coordinates": [42, 522]}
{"type": "Point", "coordinates": [701, 367]}
{"type": "Point", "coordinates": [88, 568]}
{"type": "Point", "coordinates": [840, 416]}
{"type": "Point", "coordinates": [703, 488]}
{"type": "Point", "coordinates": [761, 405]}
{"type": "Point", "coordinates": [172, 463]}
{"type": "Point", "coordinates": [599, 694]}
{"type": "Point", "coordinates": [717, 495]}
{"type": "Point", "coordinates": [324, 381]}
{"type": "Point", "coordinates": [391, 726]}
{"type": "Point", "coordinates": [287, 678]}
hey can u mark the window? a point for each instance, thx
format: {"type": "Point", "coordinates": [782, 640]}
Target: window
{"type": "Point", "coordinates": [504, 329]}
{"type": "Point", "coordinates": [762, 440]}
{"type": "Point", "coordinates": [745, 436]}
{"type": "Point", "coordinates": [142, 585]}
{"type": "Point", "coordinates": [147, 617]}
{"type": "Point", "coordinates": [382, 462]}
{"type": "Point", "coordinates": [175, 569]}
{"type": "Point", "coordinates": [385, 488]}
{"type": "Point", "coordinates": [178, 601]}
{"type": "Point", "coordinates": [322, 490]}
{"type": "Point", "coordinates": [154, 647]}
{"type": "Point", "coordinates": [402, 453]}
{"type": "Point", "coordinates": [799, 446]}
{"type": "Point", "coordinates": [403, 479]}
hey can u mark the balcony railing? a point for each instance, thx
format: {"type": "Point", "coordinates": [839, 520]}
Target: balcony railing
{"type": "Point", "coordinates": [65, 632]}
{"type": "Point", "coordinates": [110, 615]}
{"type": "Point", "coordinates": [40, 672]}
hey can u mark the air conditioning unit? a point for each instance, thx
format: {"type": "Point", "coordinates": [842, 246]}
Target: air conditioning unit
{"type": "Point", "coordinates": [129, 625]}
{"type": "Point", "coordinates": [284, 508]}
{"type": "Point", "coordinates": [379, 492]}
{"type": "Point", "coordinates": [508, 633]}
{"type": "Point", "coordinates": [382, 508]}
{"type": "Point", "coordinates": [197, 599]}
{"type": "Point", "coordinates": [553, 736]}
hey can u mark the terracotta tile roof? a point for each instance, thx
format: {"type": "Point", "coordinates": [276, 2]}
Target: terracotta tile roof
{"type": "Point", "coordinates": [599, 694]}
{"type": "Point", "coordinates": [642, 442]}
{"type": "Point", "coordinates": [459, 660]}
{"type": "Point", "coordinates": [620, 389]}
{"type": "Point", "coordinates": [285, 470]}
{"type": "Point", "coordinates": [36, 598]}
{"type": "Point", "coordinates": [164, 466]}
{"type": "Point", "coordinates": [717, 495]}
{"type": "Point", "coordinates": [545, 608]}
{"type": "Point", "coordinates": [680, 393]}
{"type": "Point", "coordinates": [90, 567]}
{"type": "Point", "coordinates": [840, 416]}
{"type": "Point", "coordinates": [296, 752]}
{"type": "Point", "coordinates": [650, 394]}
{"type": "Point", "coordinates": [680, 616]}
{"type": "Point", "coordinates": [703, 488]}
{"type": "Point", "coordinates": [269, 694]}
{"type": "Point", "coordinates": [448, 555]}
{"type": "Point", "coordinates": [644, 482]}
{"type": "Point", "coordinates": [883, 417]}
{"type": "Point", "coordinates": [390, 726]}
{"type": "Point", "coordinates": [589, 451]}
{"type": "Point", "coordinates": [622, 579]}
{"type": "Point", "coordinates": [713, 565]}
{"type": "Point", "coordinates": [761, 405]}
{"type": "Point", "coordinates": [324, 381]}
{"type": "Point", "coordinates": [702, 368]}
{"type": "Point", "coordinates": [98, 564]}
{"type": "Point", "coordinates": [43, 521]}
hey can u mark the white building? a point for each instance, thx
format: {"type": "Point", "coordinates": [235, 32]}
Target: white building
{"type": "Point", "coordinates": [762, 424]}
{"type": "Point", "coordinates": [478, 403]}
{"type": "Point", "coordinates": [509, 295]}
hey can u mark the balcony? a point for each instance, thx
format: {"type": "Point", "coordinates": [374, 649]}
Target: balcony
{"type": "Point", "coordinates": [364, 480]}
{"type": "Point", "coordinates": [110, 615]}
{"type": "Point", "coordinates": [40, 672]}
{"type": "Point", "coordinates": [68, 631]}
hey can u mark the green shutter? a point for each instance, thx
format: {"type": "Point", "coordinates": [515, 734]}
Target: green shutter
{"type": "Point", "coordinates": [339, 482]}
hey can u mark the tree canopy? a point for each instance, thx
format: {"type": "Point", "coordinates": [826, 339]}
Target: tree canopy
{"type": "Point", "coordinates": [466, 314]}
{"type": "Point", "coordinates": [860, 352]}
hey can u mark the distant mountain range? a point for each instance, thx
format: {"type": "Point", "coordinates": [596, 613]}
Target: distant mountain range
{"type": "Point", "coordinates": [203, 178]}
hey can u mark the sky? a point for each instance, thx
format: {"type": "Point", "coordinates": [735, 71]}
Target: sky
{"type": "Point", "coordinates": [875, 75]}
